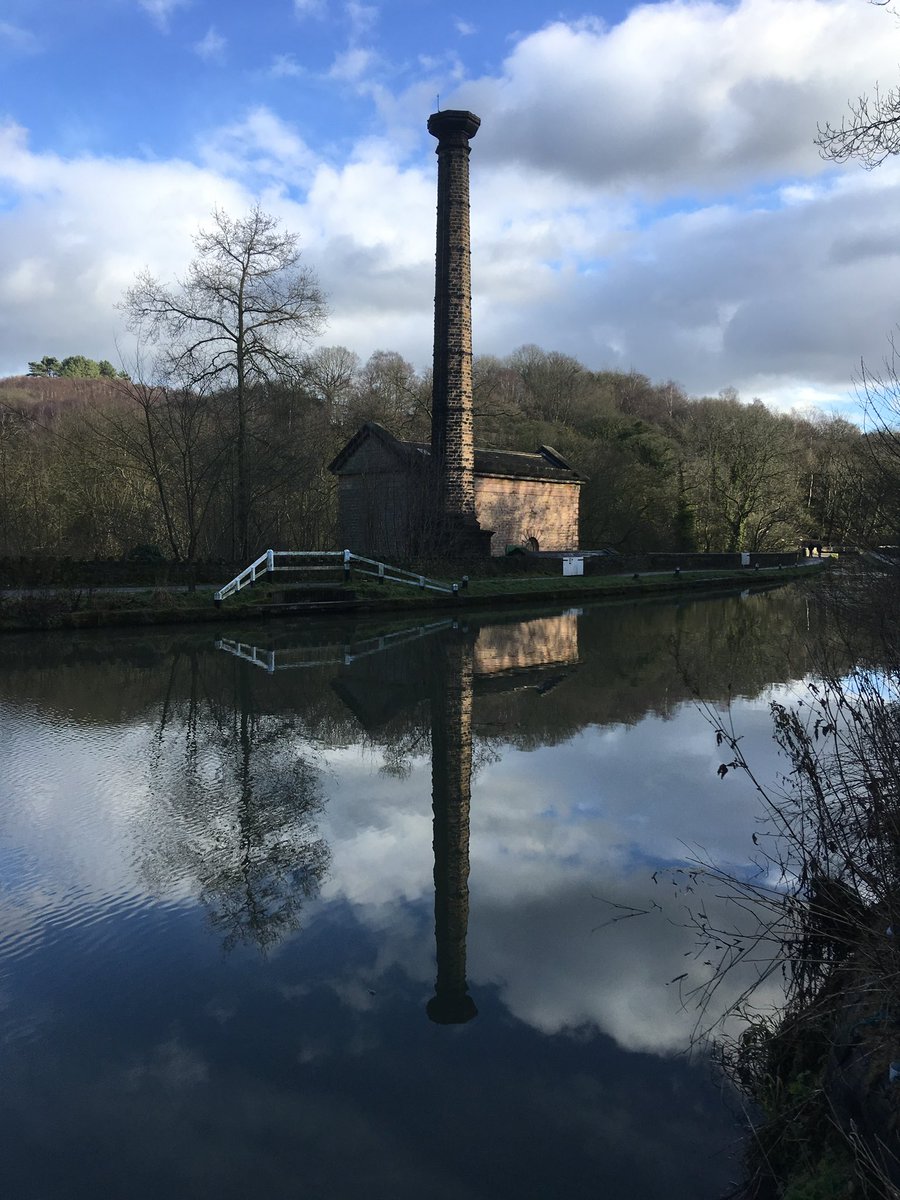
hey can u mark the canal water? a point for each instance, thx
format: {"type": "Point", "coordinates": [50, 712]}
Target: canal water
{"type": "Point", "coordinates": [389, 909]}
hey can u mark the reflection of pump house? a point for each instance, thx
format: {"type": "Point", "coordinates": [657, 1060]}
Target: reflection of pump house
{"type": "Point", "coordinates": [399, 498]}
{"type": "Point", "coordinates": [449, 673]}
{"type": "Point", "coordinates": [445, 666]}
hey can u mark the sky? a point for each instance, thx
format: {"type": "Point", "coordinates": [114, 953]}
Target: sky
{"type": "Point", "coordinates": [646, 193]}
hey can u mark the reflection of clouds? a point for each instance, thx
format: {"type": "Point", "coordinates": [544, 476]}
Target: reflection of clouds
{"type": "Point", "coordinates": [172, 1065]}
{"type": "Point", "coordinates": [173, 1126]}
{"type": "Point", "coordinates": [22, 914]}
{"type": "Point", "coordinates": [311, 1049]}
{"type": "Point", "coordinates": [552, 830]}
{"type": "Point", "coordinates": [221, 1011]}
{"type": "Point", "coordinates": [646, 791]}
{"type": "Point", "coordinates": [379, 830]}
{"type": "Point", "coordinates": [72, 798]}
{"type": "Point", "coordinates": [353, 993]}
{"type": "Point", "coordinates": [561, 965]}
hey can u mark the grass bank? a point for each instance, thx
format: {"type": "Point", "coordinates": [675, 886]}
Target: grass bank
{"type": "Point", "coordinates": [88, 608]}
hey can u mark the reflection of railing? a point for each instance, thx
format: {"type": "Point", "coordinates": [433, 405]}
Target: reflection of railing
{"type": "Point", "coordinates": [328, 560]}
{"type": "Point", "coordinates": [328, 655]}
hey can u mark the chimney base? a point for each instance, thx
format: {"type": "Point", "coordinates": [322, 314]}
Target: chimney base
{"type": "Point", "coordinates": [463, 538]}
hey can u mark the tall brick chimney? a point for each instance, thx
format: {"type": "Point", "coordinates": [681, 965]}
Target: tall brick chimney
{"type": "Point", "coordinates": [452, 444]}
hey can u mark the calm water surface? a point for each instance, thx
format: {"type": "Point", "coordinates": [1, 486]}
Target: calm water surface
{"type": "Point", "coordinates": [325, 911]}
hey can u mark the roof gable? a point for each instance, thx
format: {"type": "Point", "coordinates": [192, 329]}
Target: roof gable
{"type": "Point", "coordinates": [402, 451]}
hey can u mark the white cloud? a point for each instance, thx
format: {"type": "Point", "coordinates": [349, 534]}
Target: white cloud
{"type": "Point", "coordinates": [786, 395]}
{"type": "Point", "coordinates": [259, 149]}
{"type": "Point", "coordinates": [362, 18]}
{"type": "Point", "coordinates": [310, 8]}
{"type": "Point", "coordinates": [465, 28]}
{"type": "Point", "coordinates": [162, 10]}
{"type": "Point", "coordinates": [758, 298]}
{"type": "Point", "coordinates": [82, 228]}
{"type": "Point", "coordinates": [17, 39]}
{"type": "Point", "coordinates": [211, 47]}
{"type": "Point", "coordinates": [715, 297]}
{"type": "Point", "coordinates": [79, 231]}
{"type": "Point", "coordinates": [351, 65]}
{"type": "Point", "coordinates": [685, 96]}
{"type": "Point", "coordinates": [285, 66]}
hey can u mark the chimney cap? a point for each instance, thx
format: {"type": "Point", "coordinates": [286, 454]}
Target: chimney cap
{"type": "Point", "coordinates": [453, 121]}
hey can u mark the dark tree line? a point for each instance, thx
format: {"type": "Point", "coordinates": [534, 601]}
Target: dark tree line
{"type": "Point", "coordinates": [76, 366]}
{"type": "Point", "coordinates": [92, 468]}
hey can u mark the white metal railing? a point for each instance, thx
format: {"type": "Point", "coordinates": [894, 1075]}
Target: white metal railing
{"type": "Point", "coordinates": [292, 659]}
{"type": "Point", "coordinates": [400, 574]}
{"type": "Point", "coordinates": [343, 558]}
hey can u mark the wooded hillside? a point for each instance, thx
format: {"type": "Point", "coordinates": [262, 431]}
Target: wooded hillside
{"type": "Point", "coordinates": [92, 467]}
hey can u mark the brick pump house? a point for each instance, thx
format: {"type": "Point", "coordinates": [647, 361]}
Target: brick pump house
{"type": "Point", "coordinates": [386, 493]}
{"type": "Point", "coordinates": [407, 498]}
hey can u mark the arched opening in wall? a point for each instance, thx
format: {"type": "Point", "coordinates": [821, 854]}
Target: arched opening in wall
{"type": "Point", "coordinates": [532, 544]}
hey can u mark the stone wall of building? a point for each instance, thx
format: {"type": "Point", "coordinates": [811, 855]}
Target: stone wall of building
{"type": "Point", "coordinates": [375, 514]}
{"type": "Point", "coordinates": [520, 509]}
{"type": "Point", "coordinates": [383, 507]}
{"type": "Point", "coordinates": [386, 507]}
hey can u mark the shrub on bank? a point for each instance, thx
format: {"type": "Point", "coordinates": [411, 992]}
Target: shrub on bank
{"type": "Point", "coordinates": [142, 571]}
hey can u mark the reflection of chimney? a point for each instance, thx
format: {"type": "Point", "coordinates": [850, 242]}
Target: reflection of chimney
{"type": "Point", "coordinates": [451, 779]}
{"type": "Point", "coordinates": [452, 444]}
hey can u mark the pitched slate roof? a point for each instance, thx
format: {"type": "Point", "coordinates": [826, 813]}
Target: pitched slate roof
{"type": "Point", "coordinates": [546, 464]}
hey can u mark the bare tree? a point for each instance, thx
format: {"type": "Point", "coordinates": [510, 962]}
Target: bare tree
{"type": "Point", "coordinates": [742, 476]}
{"type": "Point", "coordinates": [255, 854]}
{"type": "Point", "coordinates": [390, 391]}
{"type": "Point", "coordinates": [879, 395]}
{"type": "Point", "coordinates": [329, 373]}
{"type": "Point", "coordinates": [871, 133]}
{"type": "Point", "coordinates": [235, 322]}
{"type": "Point", "coordinates": [176, 445]}
{"type": "Point", "coordinates": [553, 382]}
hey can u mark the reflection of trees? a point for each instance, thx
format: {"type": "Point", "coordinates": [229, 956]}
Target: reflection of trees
{"type": "Point", "coordinates": [726, 646]}
{"type": "Point", "coordinates": [237, 806]}
{"type": "Point", "coordinates": [645, 658]}
{"type": "Point", "coordinates": [635, 658]}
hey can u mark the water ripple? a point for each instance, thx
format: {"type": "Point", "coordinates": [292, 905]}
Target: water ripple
{"type": "Point", "coordinates": [34, 921]}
